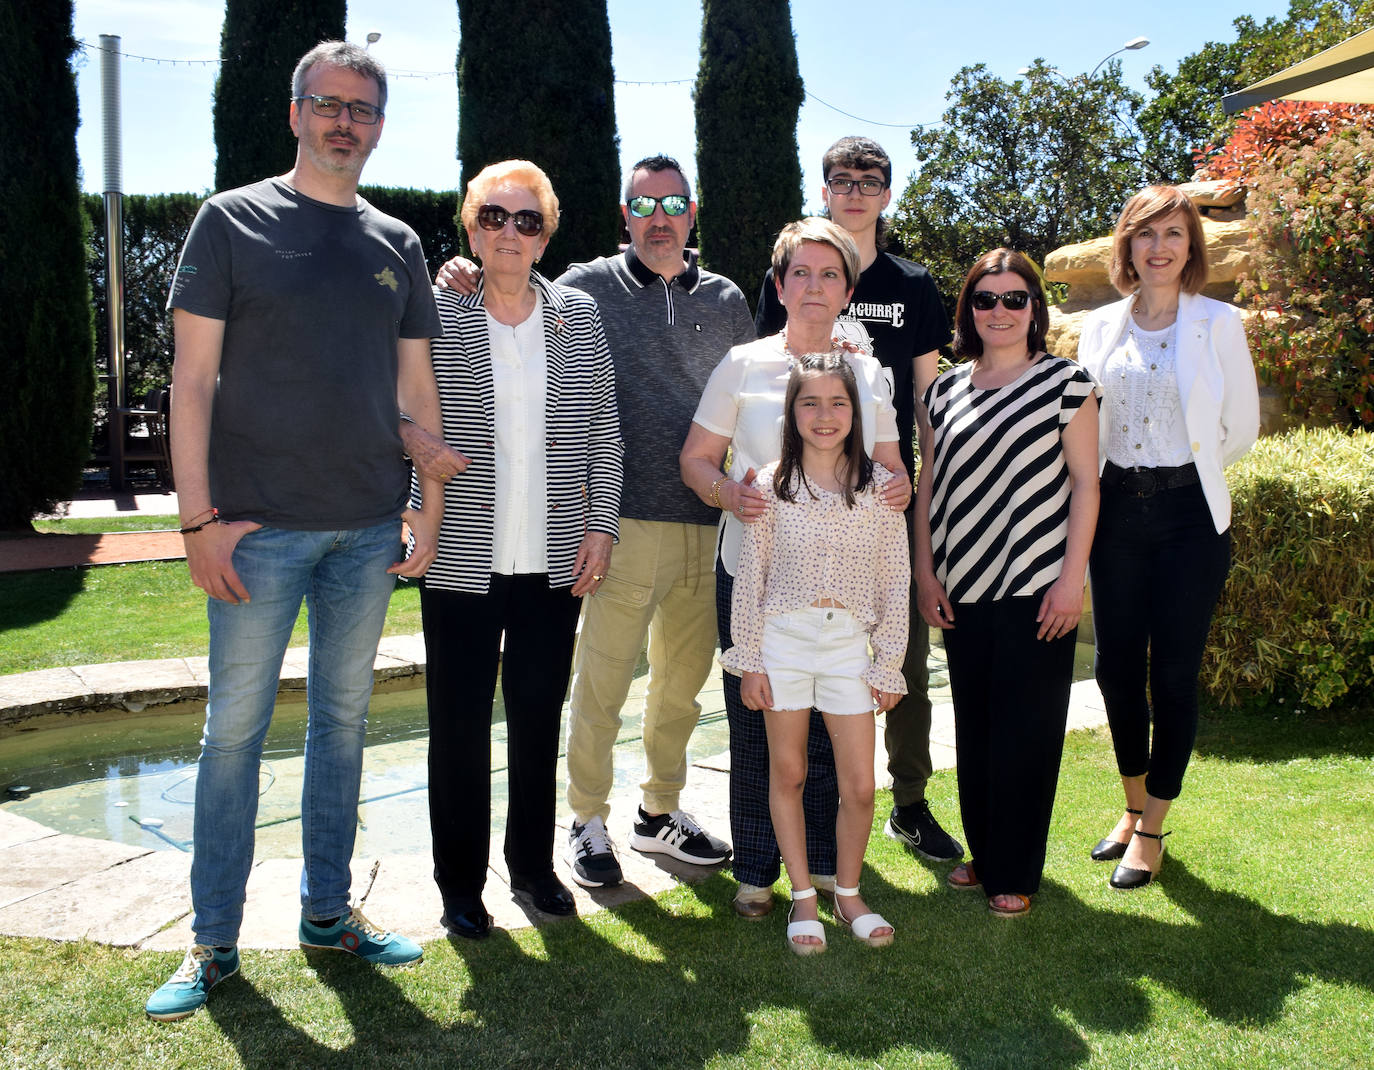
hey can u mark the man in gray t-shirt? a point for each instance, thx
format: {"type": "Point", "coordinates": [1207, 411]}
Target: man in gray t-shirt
{"type": "Point", "coordinates": [302, 319]}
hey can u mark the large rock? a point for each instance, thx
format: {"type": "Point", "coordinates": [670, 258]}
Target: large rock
{"type": "Point", "coordinates": [1061, 338]}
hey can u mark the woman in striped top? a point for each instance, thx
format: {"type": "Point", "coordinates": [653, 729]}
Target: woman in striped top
{"type": "Point", "coordinates": [1005, 511]}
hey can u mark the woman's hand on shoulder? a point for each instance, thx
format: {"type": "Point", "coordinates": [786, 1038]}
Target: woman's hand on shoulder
{"type": "Point", "coordinates": [895, 491]}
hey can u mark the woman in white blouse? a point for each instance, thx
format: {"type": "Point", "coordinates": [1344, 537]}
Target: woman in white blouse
{"type": "Point", "coordinates": [1181, 403]}
{"type": "Point", "coordinates": [528, 396]}
{"type": "Point", "coordinates": [815, 265]}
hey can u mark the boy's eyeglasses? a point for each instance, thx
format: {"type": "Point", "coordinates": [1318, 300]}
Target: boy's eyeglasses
{"type": "Point", "coordinates": [330, 107]}
{"type": "Point", "coordinates": [869, 187]}
{"type": "Point", "coordinates": [527, 221]}
{"type": "Point", "coordinates": [1012, 300]}
{"type": "Point", "coordinates": [642, 207]}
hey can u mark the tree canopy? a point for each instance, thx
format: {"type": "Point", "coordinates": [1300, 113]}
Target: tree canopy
{"type": "Point", "coordinates": [1185, 114]}
{"type": "Point", "coordinates": [1032, 164]}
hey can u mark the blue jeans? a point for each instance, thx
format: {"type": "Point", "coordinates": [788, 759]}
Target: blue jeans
{"type": "Point", "coordinates": [342, 577]}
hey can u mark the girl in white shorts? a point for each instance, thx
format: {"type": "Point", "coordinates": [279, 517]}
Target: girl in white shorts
{"type": "Point", "coordinates": [823, 577]}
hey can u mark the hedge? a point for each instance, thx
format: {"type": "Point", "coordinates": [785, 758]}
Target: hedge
{"type": "Point", "coordinates": [1296, 620]}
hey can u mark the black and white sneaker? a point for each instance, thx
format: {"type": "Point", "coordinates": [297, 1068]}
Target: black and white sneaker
{"type": "Point", "coordinates": [677, 834]}
{"type": "Point", "coordinates": [591, 855]}
{"type": "Point", "coordinates": [916, 827]}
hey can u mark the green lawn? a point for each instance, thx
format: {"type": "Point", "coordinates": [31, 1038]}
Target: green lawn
{"type": "Point", "coordinates": [1254, 950]}
{"type": "Point", "coordinates": [88, 616]}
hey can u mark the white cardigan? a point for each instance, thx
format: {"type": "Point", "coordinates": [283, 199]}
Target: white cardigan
{"type": "Point", "coordinates": [1216, 382]}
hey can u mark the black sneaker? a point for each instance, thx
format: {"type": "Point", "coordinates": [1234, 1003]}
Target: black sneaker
{"type": "Point", "coordinates": [677, 834]}
{"type": "Point", "coordinates": [916, 827]}
{"type": "Point", "coordinates": [591, 855]}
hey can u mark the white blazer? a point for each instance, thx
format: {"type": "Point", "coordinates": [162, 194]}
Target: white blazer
{"type": "Point", "coordinates": [1216, 382]}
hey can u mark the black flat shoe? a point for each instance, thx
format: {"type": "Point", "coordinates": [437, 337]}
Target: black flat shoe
{"type": "Point", "coordinates": [548, 893]}
{"type": "Point", "coordinates": [467, 918]}
{"type": "Point", "coordinates": [1125, 879]}
{"type": "Point", "coordinates": [1108, 851]}
{"type": "Point", "coordinates": [1111, 850]}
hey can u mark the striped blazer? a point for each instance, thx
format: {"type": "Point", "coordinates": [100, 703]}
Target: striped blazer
{"type": "Point", "coordinates": [584, 455]}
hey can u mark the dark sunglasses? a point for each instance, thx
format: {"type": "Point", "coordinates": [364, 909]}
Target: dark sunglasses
{"type": "Point", "coordinates": [494, 217]}
{"type": "Point", "coordinates": [1012, 300]}
{"type": "Point", "coordinates": [642, 207]}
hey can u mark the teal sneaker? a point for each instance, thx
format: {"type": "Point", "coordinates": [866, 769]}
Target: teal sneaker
{"type": "Point", "coordinates": [183, 995]}
{"type": "Point", "coordinates": [358, 936]}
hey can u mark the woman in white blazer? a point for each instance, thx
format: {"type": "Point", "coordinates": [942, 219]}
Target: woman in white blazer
{"type": "Point", "coordinates": [528, 396]}
{"type": "Point", "coordinates": [1180, 404]}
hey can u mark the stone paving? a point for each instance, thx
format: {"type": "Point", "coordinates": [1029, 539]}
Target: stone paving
{"type": "Point", "coordinates": [68, 887]}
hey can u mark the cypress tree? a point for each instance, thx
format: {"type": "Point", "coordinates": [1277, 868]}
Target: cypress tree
{"type": "Point", "coordinates": [47, 372]}
{"type": "Point", "coordinates": [260, 44]}
{"type": "Point", "coordinates": [535, 83]}
{"type": "Point", "coordinates": [749, 92]}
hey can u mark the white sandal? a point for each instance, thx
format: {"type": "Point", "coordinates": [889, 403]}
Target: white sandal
{"type": "Point", "coordinates": [862, 927]}
{"type": "Point", "coordinates": [804, 928]}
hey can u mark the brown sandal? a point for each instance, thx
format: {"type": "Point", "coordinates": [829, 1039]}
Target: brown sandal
{"type": "Point", "coordinates": [1022, 907]}
{"type": "Point", "coordinates": [961, 878]}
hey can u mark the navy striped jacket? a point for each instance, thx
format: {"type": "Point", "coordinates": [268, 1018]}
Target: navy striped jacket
{"type": "Point", "coordinates": [583, 449]}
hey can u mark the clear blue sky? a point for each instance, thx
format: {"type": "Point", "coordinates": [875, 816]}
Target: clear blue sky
{"type": "Point", "coordinates": [884, 61]}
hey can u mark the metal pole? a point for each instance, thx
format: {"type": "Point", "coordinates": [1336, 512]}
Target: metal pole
{"type": "Point", "coordinates": [114, 247]}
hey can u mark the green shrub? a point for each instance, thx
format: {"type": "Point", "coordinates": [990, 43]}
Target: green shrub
{"type": "Point", "coordinates": [1313, 209]}
{"type": "Point", "coordinates": [1297, 616]}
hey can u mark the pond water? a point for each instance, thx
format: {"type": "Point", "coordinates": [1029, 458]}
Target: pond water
{"type": "Point", "coordinates": [131, 777]}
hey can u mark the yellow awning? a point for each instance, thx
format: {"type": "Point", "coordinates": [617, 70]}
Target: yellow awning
{"type": "Point", "coordinates": [1344, 74]}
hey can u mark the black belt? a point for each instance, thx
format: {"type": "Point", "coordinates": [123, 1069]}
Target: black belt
{"type": "Point", "coordinates": [1143, 482]}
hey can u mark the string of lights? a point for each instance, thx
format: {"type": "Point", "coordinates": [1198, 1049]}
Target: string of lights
{"type": "Point", "coordinates": [393, 72]}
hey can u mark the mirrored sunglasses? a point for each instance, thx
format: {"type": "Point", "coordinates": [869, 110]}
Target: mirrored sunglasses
{"type": "Point", "coordinates": [642, 207]}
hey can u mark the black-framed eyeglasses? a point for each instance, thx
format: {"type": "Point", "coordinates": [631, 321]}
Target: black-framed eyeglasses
{"type": "Point", "coordinates": [330, 107]}
{"type": "Point", "coordinates": [527, 221]}
{"type": "Point", "coordinates": [642, 207]}
{"type": "Point", "coordinates": [1012, 300]}
{"type": "Point", "coordinates": [869, 187]}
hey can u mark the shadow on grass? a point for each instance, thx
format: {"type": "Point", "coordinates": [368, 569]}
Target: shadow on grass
{"type": "Point", "coordinates": [29, 598]}
{"type": "Point", "coordinates": [1280, 733]}
{"type": "Point", "coordinates": [677, 990]}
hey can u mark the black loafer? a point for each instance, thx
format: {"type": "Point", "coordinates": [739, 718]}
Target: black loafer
{"type": "Point", "coordinates": [467, 918]}
{"type": "Point", "coordinates": [1108, 851]}
{"type": "Point", "coordinates": [548, 893]}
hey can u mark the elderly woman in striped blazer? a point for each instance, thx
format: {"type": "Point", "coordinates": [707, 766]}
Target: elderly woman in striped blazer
{"type": "Point", "coordinates": [528, 396]}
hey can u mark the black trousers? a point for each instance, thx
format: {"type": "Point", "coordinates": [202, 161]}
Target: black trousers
{"type": "Point", "coordinates": [463, 649]}
{"type": "Point", "coordinates": [1158, 567]}
{"type": "Point", "coordinates": [1011, 704]}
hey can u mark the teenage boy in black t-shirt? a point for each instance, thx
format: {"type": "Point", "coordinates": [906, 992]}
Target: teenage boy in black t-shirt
{"type": "Point", "coordinates": [897, 302]}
